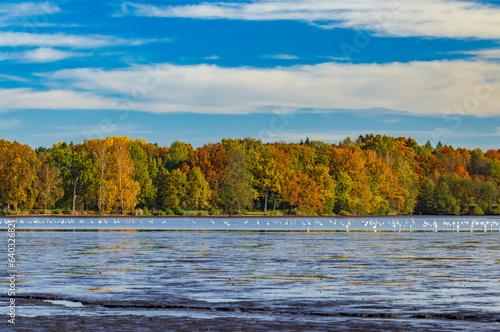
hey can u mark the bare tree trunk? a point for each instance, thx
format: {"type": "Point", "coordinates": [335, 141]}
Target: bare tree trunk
{"type": "Point", "coordinates": [73, 204]}
{"type": "Point", "coordinates": [265, 201]}
{"type": "Point", "coordinates": [274, 203]}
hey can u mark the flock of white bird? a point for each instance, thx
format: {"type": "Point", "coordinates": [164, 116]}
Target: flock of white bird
{"type": "Point", "coordinates": [399, 225]}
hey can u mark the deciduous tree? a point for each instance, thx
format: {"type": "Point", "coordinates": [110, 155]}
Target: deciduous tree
{"type": "Point", "coordinates": [48, 183]}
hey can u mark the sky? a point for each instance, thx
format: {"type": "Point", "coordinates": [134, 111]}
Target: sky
{"type": "Point", "coordinates": [276, 70]}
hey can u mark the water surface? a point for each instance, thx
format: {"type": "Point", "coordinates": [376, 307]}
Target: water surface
{"type": "Point", "coordinates": [448, 278]}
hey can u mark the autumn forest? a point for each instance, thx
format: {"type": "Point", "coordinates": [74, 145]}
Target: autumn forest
{"type": "Point", "coordinates": [368, 175]}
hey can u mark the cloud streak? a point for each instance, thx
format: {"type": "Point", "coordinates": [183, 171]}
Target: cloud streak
{"type": "Point", "coordinates": [426, 88]}
{"type": "Point", "coordinates": [486, 54]}
{"type": "Point", "coordinates": [40, 55]}
{"type": "Point", "coordinates": [26, 13]}
{"type": "Point", "coordinates": [47, 54]}
{"type": "Point", "coordinates": [281, 57]}
{"type": "Point", "coordinates": [27, 98]}
{"type": "Point", "coordinates": [25, 9]}
{"type": "Point", "coordinates": [432, 18]}
{"type": "Point", "coordinates": [24, 39]}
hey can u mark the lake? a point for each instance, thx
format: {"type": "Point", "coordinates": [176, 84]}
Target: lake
{"type": "Point", "coordinates": [427, 273]}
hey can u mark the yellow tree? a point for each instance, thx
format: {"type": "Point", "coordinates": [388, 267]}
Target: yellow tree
{"type": "Point", "coordinates": [323, 188]}
{"type": "Point", "coordinates": [48, 183]}
{"type": "Point", "coordinates": [172, 191]}
{"type": "Point", "coordinates": [343, 192]}
{"type": "Point", "coordinates": [99, 150]}
{"type": "Point", "coordinates": [265, 177]}
{"type": "Point", "coordinates": [281, 160]}
{"type": "Point", "coordinates": [18, 164]}
{"type": "Point", "coordinates": [120, 177]}
{"type": "Point", "coordinates": [109, 196]}
{"type": "Point", "coordinates": [198, 190]}
{"type": "Point", "coordinates": [310, 191]}
{"type": "Point", "coordinates": [352, 162]}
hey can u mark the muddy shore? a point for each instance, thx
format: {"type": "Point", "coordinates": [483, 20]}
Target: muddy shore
{"type": "Point", "coordinates": [166, 315]}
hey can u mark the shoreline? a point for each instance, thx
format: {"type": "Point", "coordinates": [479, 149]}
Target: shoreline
{"type": "Point", "coordinates": [245, 315]}
{"type": "Point", "coordinates": [121, 216]}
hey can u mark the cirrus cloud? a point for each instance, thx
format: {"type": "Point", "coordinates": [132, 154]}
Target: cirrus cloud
{"type": "Point", "coordinates": [16, 39]}
{"type": "Point", "coordinates": [425, 88]}
{"type": "Point", "coordinates": [40, 55]}
{"type": "Point", "coordinates": [433, 18]}
{"type": "Point", "coordinates": [28, 8]}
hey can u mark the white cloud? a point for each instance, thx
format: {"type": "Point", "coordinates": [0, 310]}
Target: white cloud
{"type": "Point", "coordinates": [15, 39]}
{"type": "Point", "coordinates": [46, 54]}
{"type": "Point", "coordinates": [426, 88]}
{"type": "Point", "coordinates": [40, 55]}
{"type": "Point", "coordinates": [489, 54]}
{"type": "Point", "coordinates": [6, 78]}
{"type": "Point", "coordinates": [434, 18]}
{"type": "Point", "coordinates": [281, 57]}
{"type": "Point", "coordinates": [25, 9]}
{"type": "Point", "coordinates": [21, 13]}
{"type": "Point", "coordinates": [212, 57]}
{"type": "Point", "coordinates": [420, 88]}
{"type": "Point", "coordinates": [23, 98]}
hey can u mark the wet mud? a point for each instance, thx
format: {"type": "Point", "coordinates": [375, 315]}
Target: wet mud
{"type": "Point", "coordinates": [244, 316]}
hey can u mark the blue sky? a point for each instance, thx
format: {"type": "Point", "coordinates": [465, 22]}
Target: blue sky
{"type": "Point", "coordinates": [199, 71]}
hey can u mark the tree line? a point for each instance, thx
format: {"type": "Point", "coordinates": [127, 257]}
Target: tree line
{"type": "Point", "coordinates": [368, 175]}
